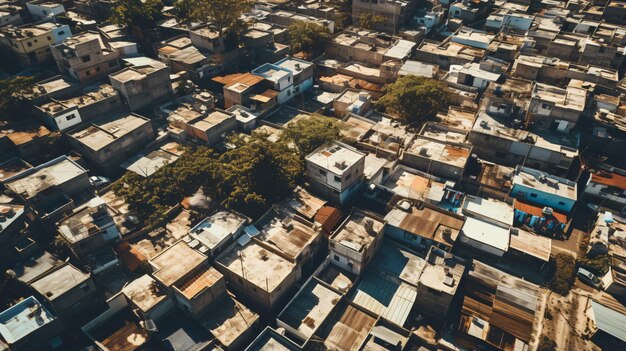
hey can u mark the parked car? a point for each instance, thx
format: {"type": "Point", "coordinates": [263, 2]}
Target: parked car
{"type": "Point", "coordinates": [99, 181]}
{"type": "Point", "coordinates": [589, 278]}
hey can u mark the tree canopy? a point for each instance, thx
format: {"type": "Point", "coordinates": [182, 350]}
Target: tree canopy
{"type": "Point", "coordinates": [249, 178]}
{"type": "Point", "coordinates": [308, 134]}
{"type": "Point", "coordinates": [138, 13]}
{"type": "Point", "coordinates": [11, 90]}
{"type": "Point", "coordinates": [369, 20]}
{"type": "Point", "coordinates": [414, 98]}
{"type": "Point", "coordinates": [308, 37]}
{"type": "Point", "coordinates": [563, 279]}
{"type": "Point", "coordinates": [224, 14]}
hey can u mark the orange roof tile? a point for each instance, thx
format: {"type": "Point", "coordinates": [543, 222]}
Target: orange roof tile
{"type": "Point", "coordinates": [611, 179]}
{"type": "Point", "coordinates": [537, 210]}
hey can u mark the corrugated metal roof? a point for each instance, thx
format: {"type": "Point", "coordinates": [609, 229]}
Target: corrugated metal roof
{"type": "Point", "coordinates": [609, 320]}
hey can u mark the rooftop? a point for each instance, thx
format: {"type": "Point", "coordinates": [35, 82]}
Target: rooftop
{"type": "Point", "coordinates": [102, 133]}
{"type": "Point", "coordinates": [45, 176]}
{"type": "Point", "coordinates": [531, 244]}
{"type": "Point", "coordinates": [309, 308]}
{"type": "Point", "coordinates": [59, 281]}
{"type": "Point", "coordinates": [228, 319]}
{"type": "Point", "coordinates": [12, 167]}
{"type": "Point", "coordinates": [443, 272]}
{"type": "Point", "coordinates": [196, 283]}
{"type": "Point", "coordinates": [280, 230]}
{"type": "Point", "coordinates": [385, 296]}
{"type": "Point", "coordinates": [217, 228]}
{"type": "Point", "coordinates": [293, 64]}
{"type": "Point", "coordinates": [145, 292]}
{"type": "Point", "coordinates": [173, 263]}
{"type": "Point", "coordinates": [138, 72]}
{"type": "Point", "coordinates": [399, 262]}
{"type": "Point", "coordinates": [271, 340]}
{"type": "Point", "coordinates": [86, 221]}
{"type": "Point", "coordinates": [257, 265]}
{"type": "Point", "coordinates": [495, 210]}
{"type": "Point", "coordinates": [272, 72]}
{"type": "Point", "coordinates": [146, 163]}
{"type": "Point", "coordinates": [571, 98]}
{"type": "Point", "coordinates": [90, 95]}
{"type": "Point", "coordinates": [347, 328]}
{"type": "Point", "coordinates": [427, 221]}
{"type": "Point", "coordinates": [495, 299]}
{"type": "Point", "coordinates": [486, 124]}
{"type": "Point", "coordinates": [454, 155]}
{"type": "Point", "coordinates": [358, 231]}
{"type": "Point", "coordinates": [336, 158]}
{"type": "Point", "coordinates": [23, 318]}
{"type": "Point", "coordinates": [545, 182]}
{"type": "Point", "coordinates": [486, 233]}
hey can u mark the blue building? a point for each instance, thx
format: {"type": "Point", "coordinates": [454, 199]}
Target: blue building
{"type": "Point", "coordinates": [29, 325]}
{"type": "Point", "coordinates": [540, 188]}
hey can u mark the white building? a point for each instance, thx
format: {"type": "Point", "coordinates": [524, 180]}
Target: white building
{"type": "Point", "coordinates": [336, 171]}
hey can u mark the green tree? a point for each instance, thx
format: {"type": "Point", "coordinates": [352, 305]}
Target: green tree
{"type": "Point", "coordinates": [249, 178]}
{"type": "Point", "coordinates": [310, 133]}
{"type": "Point", "coordinates": [308, 37]}
{"type": "Point", "coordinates": [414, 98]}
{"type": "Point", "coordinates": [599, 265]}
{"type": "Point", "coordinates": [563, 278]}
{"type": "Point", "coordinates": [11, 95]}
{"type": "Point", "coordinates": [224, 14]}
{"type": "Point", "coordinates": [138, 14]}
{"type": "Point", "coordinates": [369, 20]}
{"type": "Point", "coordinates": [183, 10]}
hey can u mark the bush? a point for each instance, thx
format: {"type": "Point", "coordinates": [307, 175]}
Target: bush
{"type": "Point", "coordinates": [598, 265]}
{"type": "Point", "coordinates": [564, 274]}
{"type": "Point", "coordinates": [546, 344]}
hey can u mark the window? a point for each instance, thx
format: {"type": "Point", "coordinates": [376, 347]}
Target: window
{"type": "Point", "coordinates": [87, 73]}
{"type": "Point", "coordinates": [70, 117]}
{"type": "Point", "coordinates": [338, 179]}
{"type": "Point", "coordinates": [336, 258]}
{"type": "Point", "coordinates": [49, 37]}
{"type": "Point", "coordinates": [350, 265]}
{"type": "Point", "coordinates": [29, 44]}
{"type": "Point", "coordinates": [561, 203]}
{"type": "Point", "coordinates": [533, 195]}
{"type": "Point", "coordinates": [322, 172]}
{"type": "Point", "coordinates": [62, 32]}
{"type": "Point", "coordinates": [546, 107]}
{"type": "Point", "coordinates": [86, 58]}
{"type": "Point", "coordinates": [409, 236]}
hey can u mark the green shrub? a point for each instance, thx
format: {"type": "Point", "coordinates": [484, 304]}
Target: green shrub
{"type": "Point", "coordinates": [565, 266]}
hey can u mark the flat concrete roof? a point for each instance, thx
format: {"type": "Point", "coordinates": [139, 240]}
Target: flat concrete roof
{"type": "Point", "coordinates": [217, 228]}
{"type": "Point", "coordinates": [336, 158]}
{"type": "Point", "coordinates": [257, 265]}
{"type": "Point", "coordinates": [358, 231]}
{"type": "Point", "coordinates": [228, 319]}
{"type": "Point", "coordinates": [175, 262]}
{"type": "Point", "coordinates": [309, 308]}
{"type": "Point", "coordinates": [102, 133]}
{"type": "Point", "coordinates": [45, 176]}
{"type": "Point", "coordinates": [144, 292]}
{"type": "Point", "coordinates": [23, 318]}
{"type": "Point", "coordinates": [60, 281]}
